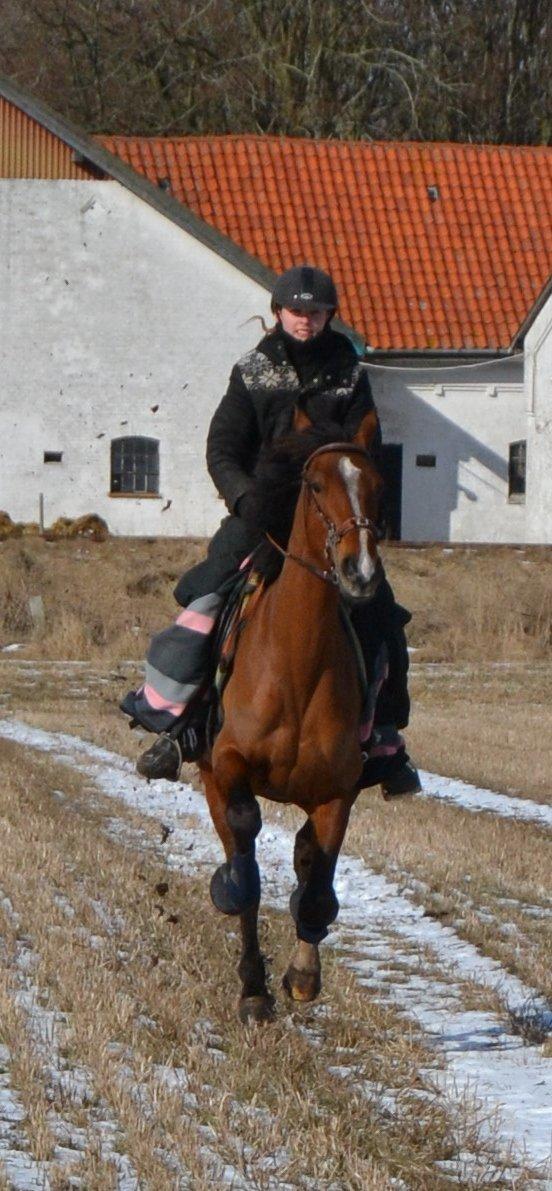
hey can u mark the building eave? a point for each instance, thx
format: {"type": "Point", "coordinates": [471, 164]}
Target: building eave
{"type": "Point", "coordinates": [462, 354]}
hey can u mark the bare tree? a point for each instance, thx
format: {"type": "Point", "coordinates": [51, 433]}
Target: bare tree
{"type": "Point", "coordinates": [377, 69]}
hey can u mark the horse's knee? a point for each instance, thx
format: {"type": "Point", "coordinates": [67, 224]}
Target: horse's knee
{"type": "Point", "coordinates": [236, 885]}
{"type": "Point", "coordinates": [243, 817]}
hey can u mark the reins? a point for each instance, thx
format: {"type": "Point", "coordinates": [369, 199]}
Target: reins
{"type": "Point", "coordinates": [328, 576]}
{"type": "Point", "coordinates": [335, 533]}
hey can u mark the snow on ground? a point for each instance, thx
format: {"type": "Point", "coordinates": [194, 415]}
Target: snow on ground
{"type": "Point", "coordinates": [23, 1172]}
{"type": "Point", "coordinates": [414, 960]}
{"type": "Point", "coordinates": [47, 1028]}
{"type": "Point", "coordinates": [471, 798]}
{"type": "Point", "coordinates": [69, 1084]}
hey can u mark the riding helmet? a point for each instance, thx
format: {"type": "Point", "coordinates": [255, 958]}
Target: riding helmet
{"type": "Point", "coordinates": [304, 288]}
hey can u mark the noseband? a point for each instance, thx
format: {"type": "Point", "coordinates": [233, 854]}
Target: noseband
{"type": "Point", "coordinates": [335, 533]}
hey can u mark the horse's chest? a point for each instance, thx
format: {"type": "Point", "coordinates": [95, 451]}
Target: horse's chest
{"type": "Point", "coordinates": [309, 766]}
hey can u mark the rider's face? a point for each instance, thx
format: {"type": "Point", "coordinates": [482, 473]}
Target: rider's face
{"type": "Point", "coordinates": [303, 324]}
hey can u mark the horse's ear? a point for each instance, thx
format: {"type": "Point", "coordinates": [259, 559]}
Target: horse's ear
{"type": "Point", "coordinates": [301, 420]}
{"type": "Point", "coordinates": [367, 430]}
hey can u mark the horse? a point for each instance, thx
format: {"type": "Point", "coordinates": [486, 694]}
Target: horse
{"type": "Point", "coordinates": [292, 706]}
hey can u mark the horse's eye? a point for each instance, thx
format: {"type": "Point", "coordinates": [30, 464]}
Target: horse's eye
{"type": "Point", "coordinates": [315, 486]}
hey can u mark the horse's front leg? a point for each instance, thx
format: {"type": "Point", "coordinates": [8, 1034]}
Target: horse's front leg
{"type": "Point", "coordinates": [314, 904]}
{"type": "Point", "coordinates": [235, 885]}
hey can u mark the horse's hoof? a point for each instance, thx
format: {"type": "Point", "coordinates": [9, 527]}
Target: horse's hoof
{"type": "Point", "coordinates": [256, 1009]}
{"type": "Point", "coordinates": [302, 986]}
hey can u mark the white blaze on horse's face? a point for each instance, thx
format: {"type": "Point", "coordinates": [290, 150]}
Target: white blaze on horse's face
{"type": "Point", "coordinates": [351, 476]}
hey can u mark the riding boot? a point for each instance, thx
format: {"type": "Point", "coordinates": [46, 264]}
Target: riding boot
{"type": "Point", "coordinates": [186, 741]}
{"type": "Point", "coordinates": [379, 625]}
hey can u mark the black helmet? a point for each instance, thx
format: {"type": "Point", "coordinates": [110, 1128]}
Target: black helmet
{"type": "Point", "coordinates": [304, 288]}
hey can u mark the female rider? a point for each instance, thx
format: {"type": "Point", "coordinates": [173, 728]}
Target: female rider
{"type": "Point", "coordinates": [302, 363]}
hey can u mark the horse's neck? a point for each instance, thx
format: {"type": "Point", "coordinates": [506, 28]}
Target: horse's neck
{"type": "Point", "coordinates": [305, 607]}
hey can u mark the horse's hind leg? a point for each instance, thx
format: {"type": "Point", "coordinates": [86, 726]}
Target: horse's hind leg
{"type": "Point", "coordinates": [314, 904]}
{"type": "Point", "coordinates": [235, 886]}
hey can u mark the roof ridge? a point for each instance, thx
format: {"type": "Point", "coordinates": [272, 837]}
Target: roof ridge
{"type": "Point", "coordinates": [338, 142]}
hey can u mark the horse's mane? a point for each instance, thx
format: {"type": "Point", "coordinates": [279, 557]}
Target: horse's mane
{"type": "Point", "coordinates": [273, 498]}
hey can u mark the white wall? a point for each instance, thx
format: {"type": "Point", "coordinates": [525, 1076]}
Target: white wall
{"type": "Point", "coordinates": [538, 384]}
{"type": "Point", "coordinates": [108, 309]}
{"type": "Point", "coordinates": [466, 418]}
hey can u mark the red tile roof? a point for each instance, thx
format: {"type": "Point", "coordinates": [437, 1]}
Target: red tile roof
{"type": "Point", "coordinates": [443, 246]}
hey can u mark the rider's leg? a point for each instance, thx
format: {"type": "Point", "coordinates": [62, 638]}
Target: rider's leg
{"type": "Point", "coordinates": [172, 701]}
{"type": "Point", "coordinates": [382, 621]}
{"type": "Point", "coordinates": [228, 547]}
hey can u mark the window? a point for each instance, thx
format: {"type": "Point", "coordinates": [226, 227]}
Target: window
{"type": "Point", "coordinates": [516, 470]}
{"type": "Point", "coordinates": [135, 466]}
{"type": "Point", "coordinates": [426, 460]}
{"type": "Point", "coordinates": [53, 456]}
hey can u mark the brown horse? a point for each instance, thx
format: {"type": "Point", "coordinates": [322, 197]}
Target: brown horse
{"type": "Point", "coordinates": [292, 710]}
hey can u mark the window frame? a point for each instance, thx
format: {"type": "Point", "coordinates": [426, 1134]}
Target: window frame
{"type": "Point", "coordinates": [134, 467]}
{"type": "Point", "coordinates": [517, 471]}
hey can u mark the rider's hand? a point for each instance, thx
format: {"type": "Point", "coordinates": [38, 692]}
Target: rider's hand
{"type": "Point", "coordinates": [247, 509]}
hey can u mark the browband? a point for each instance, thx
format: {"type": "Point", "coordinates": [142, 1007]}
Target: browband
{"type": "Point", "coordinates": [337, 446]}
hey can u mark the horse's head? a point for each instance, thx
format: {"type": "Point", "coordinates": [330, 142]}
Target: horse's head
{"type": "Point", "coordinates": [341, 496]}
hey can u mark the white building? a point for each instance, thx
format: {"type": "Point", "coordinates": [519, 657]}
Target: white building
{"type": "Point", "coordinates": [538, 398]}
{"type": "Point", "coordinates": [109, 371]}
{"type": "Point", "coordinates": [121, 314]}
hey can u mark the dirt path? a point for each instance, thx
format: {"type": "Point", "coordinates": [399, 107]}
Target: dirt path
{"type": "Point", "coordinates": [415, 962]}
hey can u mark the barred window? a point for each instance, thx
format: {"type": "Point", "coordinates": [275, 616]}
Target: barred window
{"type": "Point", "coordinates": [516, 468]}
{"type": "Point", "coordinates": [135, 465]}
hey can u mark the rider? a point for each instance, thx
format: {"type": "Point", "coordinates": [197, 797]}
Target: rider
{"type": "Point", "coordinates": [301, 363]}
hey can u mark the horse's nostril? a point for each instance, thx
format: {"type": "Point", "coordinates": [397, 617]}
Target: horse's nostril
{"type": "Point", "coordinates": [350, 567]}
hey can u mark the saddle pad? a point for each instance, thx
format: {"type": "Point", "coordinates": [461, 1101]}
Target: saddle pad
{"type": "Point", "coordinates": [239, 607]}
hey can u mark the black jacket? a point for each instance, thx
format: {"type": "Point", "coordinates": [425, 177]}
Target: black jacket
{"type": "Point", "coordinates": [323, 377]}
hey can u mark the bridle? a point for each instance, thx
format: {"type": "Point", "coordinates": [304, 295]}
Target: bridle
{"type": "Point", "coordinates": [335, 533]}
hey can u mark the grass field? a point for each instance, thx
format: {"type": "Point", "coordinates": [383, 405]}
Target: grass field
{"type": "Point", "coordinates": [104, 599]}
{"type": "Point", "coordinates": [119, 1040]}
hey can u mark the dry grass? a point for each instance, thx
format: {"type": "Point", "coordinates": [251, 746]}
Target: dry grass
{"type": "Point", "coordinates": [153, 992]}
{"type": "Point", "coordinates": [104, 599]}
{"type": "Point", "coordinates": [489, 878]}
{"type": "Point", "coordinates": [485, 873]}
{"type": "Point", "coordinates": [489, 725]}
{"type": "Point", "coordinates": [101, 599]}
{"type": "Point", "coordinates": [477, 603]}
{"type": "Point", "coordinates": [25, 1065]}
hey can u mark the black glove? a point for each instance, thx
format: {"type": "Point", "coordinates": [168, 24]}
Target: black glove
{"type": "Point", "coordinates": [247, 509]}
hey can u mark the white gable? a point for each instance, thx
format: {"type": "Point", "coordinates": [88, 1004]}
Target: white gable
{"type": "Point", "coordinates": [107, 311]}
{"type": "Point", "coordinates": [538, 395]}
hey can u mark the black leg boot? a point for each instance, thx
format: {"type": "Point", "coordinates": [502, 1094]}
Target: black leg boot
{"type": "Point", "coordinates": [383, 620]}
